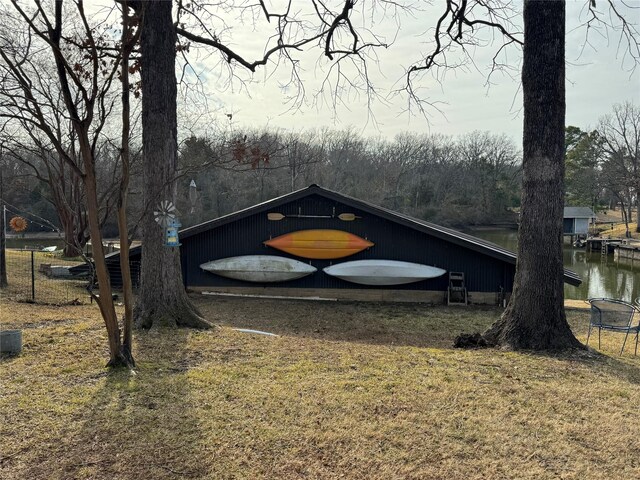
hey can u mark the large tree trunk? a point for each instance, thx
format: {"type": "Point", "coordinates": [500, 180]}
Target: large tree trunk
{"type": "Point", "coordinates": [71, 246]}
{"type": "Point", "coordinates": [535, 317]}
{"type": "Point", "coordinates": [162, 299]}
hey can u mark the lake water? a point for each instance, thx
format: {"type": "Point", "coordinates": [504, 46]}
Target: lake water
{"type": "Point", "coordinates": [600, 278]}
{"type": "Point", "coordinates": [37, 243]}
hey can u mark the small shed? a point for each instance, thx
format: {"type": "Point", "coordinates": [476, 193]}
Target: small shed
{"type": "Point", "coordinates": [576, 220]}
{"type": "Point", "coordinates": [385, 236]}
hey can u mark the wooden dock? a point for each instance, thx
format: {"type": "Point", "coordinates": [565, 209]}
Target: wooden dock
{"type": "Point", "coordinates": [603, 245]}
{"type": "Point", "coordinates": [628, 251]}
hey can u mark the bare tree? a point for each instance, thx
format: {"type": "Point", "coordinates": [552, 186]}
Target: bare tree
{"type": "Point", "coordinates": [300, 154]}
{"type": "Point", "coordinates": [620, 136]}
{"type": "Point", "coordinates": [51, 150]}
{"type": "Point", "coordinates": [490, 161]}
{"type": "Point", "coordinates": [84, 78]}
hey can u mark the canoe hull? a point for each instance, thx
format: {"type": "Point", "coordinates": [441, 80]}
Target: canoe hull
{"type": "Point", "coordinates": [259, 268]}
{"type": "Point", "coordinates": [383, 272]}
{"type": "Point", "coordinates": [320, 244]}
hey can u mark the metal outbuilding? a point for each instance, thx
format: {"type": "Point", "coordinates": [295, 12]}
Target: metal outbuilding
{"type": "Point", "coordinates": [488, 268]}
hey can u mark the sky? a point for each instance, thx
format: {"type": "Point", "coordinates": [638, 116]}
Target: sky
{"type": "Point", "coordinates": [599, 75]}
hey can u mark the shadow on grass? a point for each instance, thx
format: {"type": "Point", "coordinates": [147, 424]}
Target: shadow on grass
{"type": "Point", "coordinates": [8, 357]}
{"type": "Point", "coordinates": [140, 425]}
{"type": "Point", "coordinates": [609, 364]}
{"type": "Point", "coordinates": [399, 324]}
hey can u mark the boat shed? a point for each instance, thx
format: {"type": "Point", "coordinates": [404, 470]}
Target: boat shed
{"type": "Point", "coordinates": [488, 268]}
{"type": "Point", "coordinates": [576, 220]}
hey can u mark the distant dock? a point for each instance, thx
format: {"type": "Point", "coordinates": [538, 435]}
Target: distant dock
{"type": "Point", "coordinates": [630, 251]}
{"type": "Point", "coordinates": [603, 245]}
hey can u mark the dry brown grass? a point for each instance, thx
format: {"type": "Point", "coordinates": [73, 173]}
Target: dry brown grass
{"type": "Point", "coordinates": [619, 230]}
{"type": "Point", "coordinates": [357, 391]}
{"type": "Point", "coordinates": [611, 224]}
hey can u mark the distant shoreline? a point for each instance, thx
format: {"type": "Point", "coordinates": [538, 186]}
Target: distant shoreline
{"type": "Point", "coordinates": [49, 236]}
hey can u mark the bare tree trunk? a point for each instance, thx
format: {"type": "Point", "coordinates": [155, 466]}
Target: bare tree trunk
{"type": "Point", "coordinates": [162, 299]}
{"type": "Point", "coordinates": [71, 247]}
{"type": "Point", "coordinates": [128, 41]}
{"type": "Point", "coordinates": [81, 127]}
{"type": "Point", "coordinates": [535, 317]}
{"type": "Point", "coordinates": [625, 218]}
{"type": "Point", "coordinates": [637, 192]}
{"type": "Point", "coordinates": [80, 111]}
{"type": "Point", "coordinates": [638, 208]}
{"type": "Point", "coordinates": [629, 211]}
{"type": "Point", "coordinates": [104, 301]}
{"type": "Point", "coordinates": [3, 240]}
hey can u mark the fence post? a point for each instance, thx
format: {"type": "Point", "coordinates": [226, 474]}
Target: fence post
{"type": "Point", "coordinates": [33, 277]}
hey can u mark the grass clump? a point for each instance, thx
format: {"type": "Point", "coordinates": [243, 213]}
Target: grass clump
{"type": "Point", "coordinates": [349, 390]}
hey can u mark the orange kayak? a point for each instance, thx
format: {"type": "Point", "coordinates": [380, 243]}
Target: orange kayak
{"type": "Point", "coordinates": [320, 244]}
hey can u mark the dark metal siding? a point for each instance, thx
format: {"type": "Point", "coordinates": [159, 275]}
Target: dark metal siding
{"type": "Point", "coordinates": [393, 241]}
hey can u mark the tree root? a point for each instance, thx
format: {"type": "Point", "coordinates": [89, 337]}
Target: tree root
{"type": "Point", "coordinates": [516, 333]}
{"type": "Point", "coordinates": [473, 340]}
{"type": "Point", "coordinates": [181, 314]}
{"type": "Point", "coordinates": [122, 360]}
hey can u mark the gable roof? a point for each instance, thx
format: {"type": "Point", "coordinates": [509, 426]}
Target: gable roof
{"type": "Point", "coordinates": [450, 235]}
{"type": "Point", "coordinates": [578, 212]}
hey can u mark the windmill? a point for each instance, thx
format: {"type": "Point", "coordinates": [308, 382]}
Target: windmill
{"type": "Point", "coordinates": [165, 215]}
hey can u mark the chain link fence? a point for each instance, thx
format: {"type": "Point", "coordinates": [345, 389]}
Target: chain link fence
{"type": "Point", "coordinates": [42, 277]}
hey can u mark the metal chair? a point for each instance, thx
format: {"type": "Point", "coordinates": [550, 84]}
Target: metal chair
{"type": "Point", "coordinates": [616, 316]}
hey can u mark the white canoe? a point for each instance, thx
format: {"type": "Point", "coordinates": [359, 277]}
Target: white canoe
{"type": "Point", "coordinates": [383, 272]}
{"type": "Point", "coordinates": [259, 268]}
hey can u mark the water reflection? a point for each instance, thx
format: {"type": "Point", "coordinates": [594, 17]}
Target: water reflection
{"type": "Point", "coordinates": [600, 277]}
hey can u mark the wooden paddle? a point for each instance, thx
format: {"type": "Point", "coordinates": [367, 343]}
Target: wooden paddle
{"type": "Point", "coordinates": [347, 217]}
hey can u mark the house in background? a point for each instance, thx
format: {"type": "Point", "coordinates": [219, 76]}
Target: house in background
{"type": "Point", "coordinates": [390, 236]}
{"type": "Point", "coordinates": [576, 221]}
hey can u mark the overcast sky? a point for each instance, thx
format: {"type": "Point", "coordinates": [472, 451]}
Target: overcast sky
{"type": "Point", "coordinates": [598, 76]}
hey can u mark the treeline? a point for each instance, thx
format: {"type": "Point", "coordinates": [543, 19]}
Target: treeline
{"type": "Point", "coordinates": [472, 179]}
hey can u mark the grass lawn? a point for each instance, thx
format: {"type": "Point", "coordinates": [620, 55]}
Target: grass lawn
{"type": "Point", "coordinates": [348, 390]}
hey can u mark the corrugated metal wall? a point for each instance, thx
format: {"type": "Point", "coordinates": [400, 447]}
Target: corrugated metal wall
{"type": "Point", "coordinates": [392, 242]}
